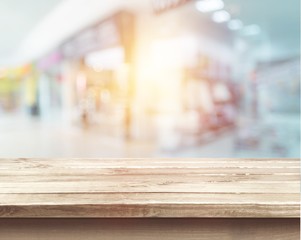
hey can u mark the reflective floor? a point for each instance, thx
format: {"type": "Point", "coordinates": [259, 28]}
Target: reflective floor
{"type": "Point", "coordinates": [25, 137]}
{"type": "Point", "coordinates": [28, 137]}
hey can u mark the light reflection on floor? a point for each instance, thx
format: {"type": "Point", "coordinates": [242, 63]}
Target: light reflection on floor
{"type": "Point", "coordinates": [27, 137]}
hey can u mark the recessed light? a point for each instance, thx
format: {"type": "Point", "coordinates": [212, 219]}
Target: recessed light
{"type": "Point", "coordinates": [235, 24]}
{"type": "Point", "coordinates": [251, 30]}
{"type": "Point", "coordinates": [221, 16]}
{"type": "Point", "coordinates": [209, 5]}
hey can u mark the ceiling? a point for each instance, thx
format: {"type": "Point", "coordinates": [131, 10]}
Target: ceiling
{"type": "Point", "coordinates": [17, 19]}
{"type": "Point", "coordinates": [59, 21]}
{"type": "Point", "coordinates": [30, 27]}
{"type": "Point", "coordinates": [279, 21]}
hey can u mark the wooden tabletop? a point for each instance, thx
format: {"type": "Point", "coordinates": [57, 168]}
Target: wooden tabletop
{"type": "Point", "coordinates": [126, 188]}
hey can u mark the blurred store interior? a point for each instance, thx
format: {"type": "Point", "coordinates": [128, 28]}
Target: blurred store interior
{"type": "Point", "coordinates": [150, 78]}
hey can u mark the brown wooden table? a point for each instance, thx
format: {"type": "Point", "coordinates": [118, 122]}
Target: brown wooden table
{"type": "Point", "coordinates": [149, 199]}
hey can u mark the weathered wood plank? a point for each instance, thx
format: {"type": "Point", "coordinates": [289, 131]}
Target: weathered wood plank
{"type": "Point", "coordinates": [148, 198]}
{"type": "Point", "coordinates": [157, 185]}
{"type": "Point", "coordinates": [128, 171]}
{"type": "Point", "coordinates": [126, 205]}
{"type": "Point", "coordinates": [151, 211]}
{"type": "Point", "coordinates": [149, 188]}
{"type": "Point", "coordinates": [154, 162]}
{"type": "Point", "coordinates": [188, 177]}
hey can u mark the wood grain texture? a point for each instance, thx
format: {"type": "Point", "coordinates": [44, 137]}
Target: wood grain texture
{"type": "Point", "coordinates": [131, 188]}
{"type": "Point", "coordinates": [150, 229]}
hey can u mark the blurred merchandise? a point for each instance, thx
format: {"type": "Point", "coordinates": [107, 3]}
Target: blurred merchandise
{"type": "Point", "coordinates": [99, 70]}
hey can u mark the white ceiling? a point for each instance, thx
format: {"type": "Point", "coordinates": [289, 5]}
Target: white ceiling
{"type": "Point", "coordinates": [62, 21]}
{"type": "Point", "coordinates": [17, 18]}
{"type": "Point", "coordinates": [31, 27]}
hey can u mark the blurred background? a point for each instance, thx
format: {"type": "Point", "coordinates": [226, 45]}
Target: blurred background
{"type": "Point", "coordinates": [149, 78]}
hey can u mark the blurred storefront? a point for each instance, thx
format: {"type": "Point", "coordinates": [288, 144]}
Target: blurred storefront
{"type": "Point", "coordinates": [276, 112]}
{"type": "Point", "coordinates": [185, 85]}
{"type": "Point", "coordinates": [18, 90]}
{"type": "Point", "coordinates": [50, 97]}
{"type": "Point", "coordinates": [169, 75]}
{"type": "Point", "coordinates": [98, 67]}
{"type": "Point", "coordinates": [10, 88]}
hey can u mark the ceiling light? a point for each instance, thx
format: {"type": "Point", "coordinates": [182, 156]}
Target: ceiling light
{"type": "Point", "coordinates": [251, 30]}
{"type": "Point", "coordinates": [235, 24]}
{"type": "Point", "coordinates": [221, 16]}
{"type": "Point", "coordinates": [209, 5]}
